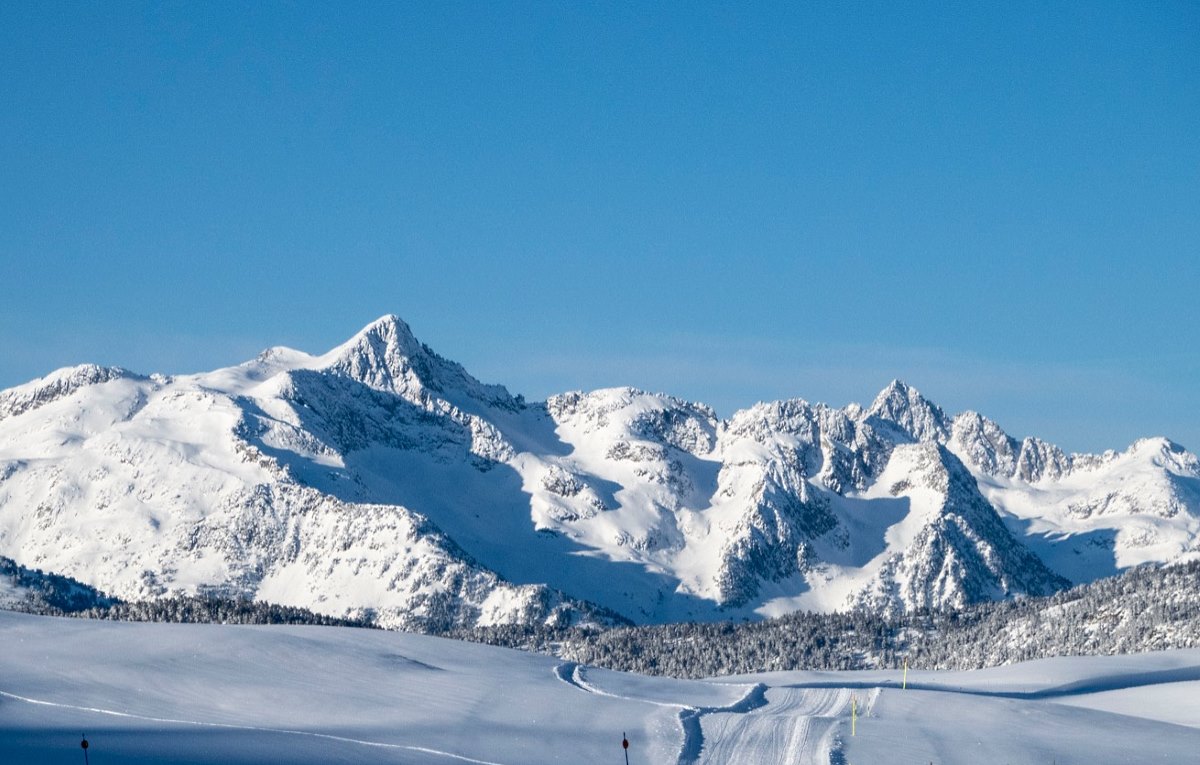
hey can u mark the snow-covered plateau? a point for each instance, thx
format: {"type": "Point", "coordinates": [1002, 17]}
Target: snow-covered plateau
{"type": "Point", "coordinates": [231, 695]}
{"type": "Point", "coordinates": [381, 480]}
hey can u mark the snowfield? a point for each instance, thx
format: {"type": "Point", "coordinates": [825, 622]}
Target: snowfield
{"type": "Point", "coordinates": [176, 693]}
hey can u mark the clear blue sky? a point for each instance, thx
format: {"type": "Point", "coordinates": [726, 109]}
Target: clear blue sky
{"type": "Point", "coordinates": [999, 203]}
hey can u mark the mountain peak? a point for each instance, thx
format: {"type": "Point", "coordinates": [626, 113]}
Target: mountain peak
{"type": "Point", "coordinates": [389, 323]}
{"type": "Point", "coordinates": [58, 384]}
{"type": "Point", "coordinates": [385, 355]}
{"type": "Point", "coordinates": [895, 397]}
{"type": "Point", "coordinates": [388, 332]}
{"type": "Point", "coordinates": [904, 407]}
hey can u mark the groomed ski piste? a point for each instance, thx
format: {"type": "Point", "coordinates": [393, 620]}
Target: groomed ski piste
{"type": "Point", "coordinates": [152, 693]}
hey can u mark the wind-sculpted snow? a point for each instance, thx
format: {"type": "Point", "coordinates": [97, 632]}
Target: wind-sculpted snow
{"type": "Point", "coordinates": [382, 479]}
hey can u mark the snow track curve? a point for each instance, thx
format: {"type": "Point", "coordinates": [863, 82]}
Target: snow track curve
{"type": "Point", "coordinates": [766, 725]}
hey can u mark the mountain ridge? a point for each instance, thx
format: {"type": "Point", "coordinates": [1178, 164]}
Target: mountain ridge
{"type": "Point", "coordinates": [382, 478]}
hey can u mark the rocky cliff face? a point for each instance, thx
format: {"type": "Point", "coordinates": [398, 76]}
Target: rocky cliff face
{"type": "Point", "coordinates": [382, 479]}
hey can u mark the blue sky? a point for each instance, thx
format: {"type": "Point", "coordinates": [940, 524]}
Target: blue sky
{"type": "Point", "coordinates": [999, 203]}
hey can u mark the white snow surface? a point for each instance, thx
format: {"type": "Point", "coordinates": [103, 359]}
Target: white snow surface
{"type": "Point", "coordinates": [233, 695]}
{"type": "Point", "coordinates": [382, 479]}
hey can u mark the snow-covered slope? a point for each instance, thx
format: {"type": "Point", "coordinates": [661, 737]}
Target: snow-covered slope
{"type": "Point", "coordinates": [381, 479]}
{"type": "Point", "coordinates": [208, 694]}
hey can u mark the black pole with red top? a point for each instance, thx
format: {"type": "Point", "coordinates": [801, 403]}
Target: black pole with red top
{"type": "Point", "coordinates": [625, 746]}
{"type": "Point", "coordinates": [84, 744]}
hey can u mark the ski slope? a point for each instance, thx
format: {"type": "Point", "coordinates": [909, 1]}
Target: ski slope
{"type": "Point", "coordinates": [237, 695]}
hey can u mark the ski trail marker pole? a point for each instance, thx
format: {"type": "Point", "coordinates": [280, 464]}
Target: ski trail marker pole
{"type": "Point", "coordinates": [625, 746]}
{"type": "Point", "coordinates": [84, 745]}
{"type": "Point", "coordinates": [904, 687]}
{"type": "Point", "coordinates": [853, 715]}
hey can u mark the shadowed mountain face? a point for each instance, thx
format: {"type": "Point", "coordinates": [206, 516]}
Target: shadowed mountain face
{"type": "Point", "coordinates": [382, 479]}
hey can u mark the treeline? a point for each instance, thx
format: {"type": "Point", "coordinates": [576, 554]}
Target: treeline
{"type": "Point", "coordinates": [43, 592]}
{"type": "Point", "coordinates": [37, 592]}
{"type": "Point", "coordinates": [192, 609]}
{"type": "Point", "coordinates": [201, 609]}
{"type": "Point", "coordinates": [1143, 610]}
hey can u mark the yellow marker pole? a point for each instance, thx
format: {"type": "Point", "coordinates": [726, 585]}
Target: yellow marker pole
{"type": "Point", "coordinates": [904, 687]}
{"type": "Point", "coordinates": [853, 715]}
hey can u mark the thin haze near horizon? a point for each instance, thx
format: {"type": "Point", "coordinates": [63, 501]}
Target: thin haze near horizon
{"type": "Point", "coordinates": [998, 204]}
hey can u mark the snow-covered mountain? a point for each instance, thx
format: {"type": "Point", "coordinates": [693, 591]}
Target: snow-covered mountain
{"type": "Point", "coordinates": [381, 479]}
